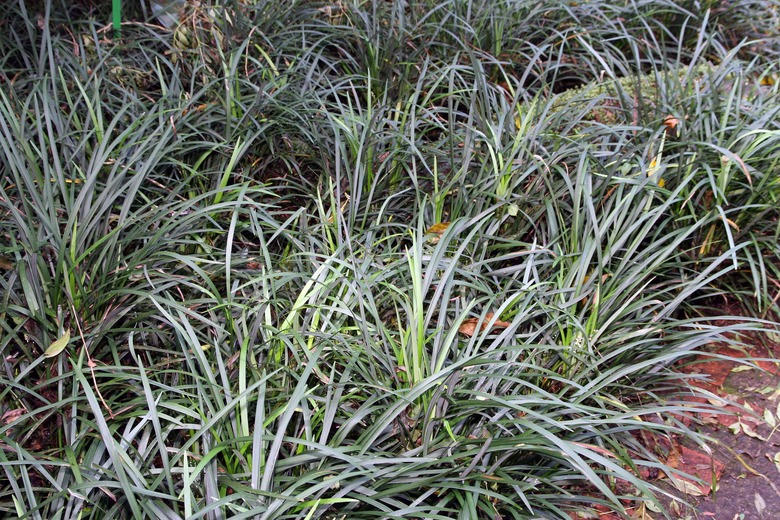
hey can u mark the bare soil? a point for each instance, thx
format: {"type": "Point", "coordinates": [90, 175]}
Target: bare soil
{"type": "Point", "coordinates": [745, 447]}
{"type": "Point", "coordinates": [735, 473]}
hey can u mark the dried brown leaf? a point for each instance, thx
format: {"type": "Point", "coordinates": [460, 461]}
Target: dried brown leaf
{"type": "Point", "coordinates": [6, 263]}
{"type": "Point", "coordinates": [469, 326]}
{"type": "Point", "coordinates": [672, 125]}
{"type": "Point", "coordinates": [12, 415]}
{"type": "Point", "coordinates": [760, 504]}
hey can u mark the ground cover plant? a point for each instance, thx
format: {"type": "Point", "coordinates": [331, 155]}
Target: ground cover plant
{"type": "Point", "coordinates": [374, 259]}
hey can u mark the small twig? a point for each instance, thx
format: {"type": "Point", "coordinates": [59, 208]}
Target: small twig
{"type": "Point", "coordinates": [774, 300]}
{"type": "Point", "coordinates": [90, 363]}
{"type": "Point", "coordinates": [756, 473]}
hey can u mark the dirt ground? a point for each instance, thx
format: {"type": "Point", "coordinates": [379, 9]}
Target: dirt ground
{"type": "Point", "coordinates": [735, 472]}
{"type": "Point", "coordinates": [745, 452]}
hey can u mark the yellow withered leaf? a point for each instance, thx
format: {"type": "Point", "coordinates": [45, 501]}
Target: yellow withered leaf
{"type": "Point", "coordinates": [58, 346]}
{"type": "Point", "coordinates": [437, 229]}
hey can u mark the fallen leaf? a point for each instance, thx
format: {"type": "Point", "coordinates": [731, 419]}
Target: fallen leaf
{"type": "Point", "coordinates": [687, 487]}
{"type": "Point", "coordinates": [710, 420]}
{"type": "Point", "coordinates": [640, 513]}
{"type": "Point", "coordinates": [12, 415]}
{"type": "Point", "coordinates": [776, 460]}
{"type": "Point", "coordinates": [758, 501]}
{"type": "Point", "coordinates": [469, 326]}
{"type": "Point", "coordinates": [770, 418]}
{"type": "Point", "coordinates": [703, 466]}
{"type": "Point", "coordinates": [751, 432]}
{"type": "Point", "coordinates": [741, 368]}
{"type": "Point", "coordinates": [672, 123]}
{"type": "Point", "coordinates": [6, 263]}
{"type": "Point", "coordinates": [58, 346]}
{"type": "Point", "coordinates": [437, 229]}
{"type": "Point", "coordinates": [498, 323]}
{"type": "Point", "coordinates": [718, 370]}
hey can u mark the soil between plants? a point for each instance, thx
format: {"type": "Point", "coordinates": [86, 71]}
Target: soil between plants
{"type": "Point", "coordinates": [745, 451]}
{"type": "Point", "coordinates": [736, 472]}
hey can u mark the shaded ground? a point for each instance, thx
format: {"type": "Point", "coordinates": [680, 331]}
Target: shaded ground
{"type": "Point", "coordinates": [746, 456]}
{"type": "Point", "coordinates": [738, 471]}
{"type": "Point", "coordinates": [736, 475]}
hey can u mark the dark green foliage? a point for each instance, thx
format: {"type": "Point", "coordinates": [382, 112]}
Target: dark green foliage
{"type": "Point", "coordinates": [231, 219]}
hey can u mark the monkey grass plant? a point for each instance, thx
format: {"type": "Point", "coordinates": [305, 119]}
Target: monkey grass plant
{"type": "Point", "coordinates": [359, 263]}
